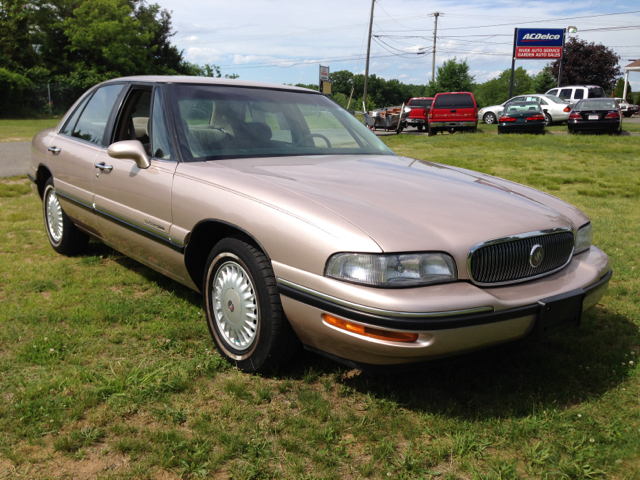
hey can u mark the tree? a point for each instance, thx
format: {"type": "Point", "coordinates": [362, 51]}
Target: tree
{"type": "Point", "coordinates": [619, 90]}
{"type": "Point", "coordinates": [588, 64]}
{"type": "Point", "coordinates": [496, 91]}
{"type": "Point", "coordinates": [544, 81]}
{"type": "Point", "coordinates": [452, 76]}
{"type": "Point", "coordinates": [17, 51]}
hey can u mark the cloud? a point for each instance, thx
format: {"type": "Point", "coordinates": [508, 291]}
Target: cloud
{"type": "Point", "coordinates": [404, 75]}
{"type": "Point", "coordinates": [202, 55]}
{"type": "Point", "coordinates": [191, 38]}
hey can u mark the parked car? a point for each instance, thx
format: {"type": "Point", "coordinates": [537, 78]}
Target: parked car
{"type": "Point", "coordinates": [522, 117]}
{"type": "Point", "coordinates": [596, 115]}
{"type": "Point", "coordinates": [298, 225]}
{"type": "Point", "coordinates": [419, 114]}
{"type": "Point", "coordinates": [627, 108]}
{"type": "Point", "coordinates": [555, 109]}
{"type": "Point", "coordinates": [574, 93]}
{"type": "Point", "coordinates": [453, 111]}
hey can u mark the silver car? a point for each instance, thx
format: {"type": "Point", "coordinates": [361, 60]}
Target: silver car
{"type": "Point", "coordinates": [300, 227]}
{"type": "Point", "coordinates": [555, 109]}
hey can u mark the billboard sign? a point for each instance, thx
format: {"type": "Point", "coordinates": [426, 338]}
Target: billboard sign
{"type": "Point", "coordinates": [324, 74]}
{"type": "Point", "coordinates": [539, 43]}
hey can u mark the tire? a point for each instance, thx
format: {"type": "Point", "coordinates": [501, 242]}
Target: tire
{"type": "Point", "coordinates": [258, 336]}
{"type": "Point", "coordinates": [64, 236]}
{"type": "Point", "coordinates": [431, 131]}
{"type": "Point", "coordinates": [548, 120]}
{"type": "Point", "coordinates": [489, 118]}
{"type": "Point", "coordinates": [420, 127]}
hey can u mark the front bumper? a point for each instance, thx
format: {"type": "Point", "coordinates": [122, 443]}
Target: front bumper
{"type": "Point", "coordinates": [450, 319]}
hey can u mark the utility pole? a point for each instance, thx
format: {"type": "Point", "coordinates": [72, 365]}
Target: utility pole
{"type": "Point", "coordinates": [435, 32]}
{"type": "Point", "coordinates": [366, 69]}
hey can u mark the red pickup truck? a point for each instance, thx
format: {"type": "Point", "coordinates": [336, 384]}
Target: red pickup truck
{"type": "Point", "coordinates": [418, 117]}
{"type": "Point", "coordinates": [453, 111]}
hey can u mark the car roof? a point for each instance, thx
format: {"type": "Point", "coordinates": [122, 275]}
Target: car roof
{"type": "Point", "coordinates": [179, 79]}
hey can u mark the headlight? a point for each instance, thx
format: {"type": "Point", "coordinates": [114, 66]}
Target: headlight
{"type": "Point", "coordinates": [400, 270]}
{"type": "Point", "coordinates": [584, 238]}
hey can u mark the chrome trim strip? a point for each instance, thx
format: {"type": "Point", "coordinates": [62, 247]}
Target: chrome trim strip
{"type": "Point", "coordinates": [127, 222]}
{"type": "Point", "coordinates": [379, 311]}
{"type": "Point", "coordinates": [511, 238]}
{"type": "Point", "coordinates": [72, 198]}
{"type": "Point", "coordinates": [174, 242]}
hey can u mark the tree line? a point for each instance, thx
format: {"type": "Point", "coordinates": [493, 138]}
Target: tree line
{"type": "Point", "coordinates": [75, 44]}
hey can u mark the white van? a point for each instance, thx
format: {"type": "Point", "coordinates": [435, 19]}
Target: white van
{"type": "Point", "coordinates": [574, 93]}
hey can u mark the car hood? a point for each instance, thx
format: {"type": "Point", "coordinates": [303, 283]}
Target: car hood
{"type": "Point", "coordinates": [405, 204]}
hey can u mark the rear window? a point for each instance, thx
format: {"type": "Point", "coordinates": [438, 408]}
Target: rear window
{"type": "Point", "coordinates": [420, 103]}
{"type": "Point", "coordinates": [461, 100]}
{"type": "Point", "coordinates": [554, 99]}
{"type": "Point", "coordinates": [597, 104]}
{"type": "Point", "coordinates": [596, 92]}
{"type": "Point", "coordinates": [522, 107]}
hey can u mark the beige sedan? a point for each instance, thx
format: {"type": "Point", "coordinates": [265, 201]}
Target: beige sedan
{"type": "Point", "coordinates": [300, 227]}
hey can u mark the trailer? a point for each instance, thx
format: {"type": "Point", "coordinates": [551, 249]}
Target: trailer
{"type": "Point", "coordinates": [388, 118]}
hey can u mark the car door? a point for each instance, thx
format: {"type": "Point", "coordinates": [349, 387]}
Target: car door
{"type": "Point", "coordinates": [134, 204]}
{"type": "Point", "coordinates": [74, 149]}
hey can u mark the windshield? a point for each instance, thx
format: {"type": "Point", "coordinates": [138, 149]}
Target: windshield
{"type": "Point", "coordinates": [522, 107]}
{"type": "Point", "coordinates": [420, 103]}
{"type": "Point", "coordinates": [217, 121]}
{"type": "Point", "coordinates": [447, 100]}
{"type": "Point", "coordinates": [555, 99]}
{"type": "Point", "coordinates": [597, 104]}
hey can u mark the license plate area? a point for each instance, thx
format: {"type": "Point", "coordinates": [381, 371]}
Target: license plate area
{"type": "Point", "coordinates": [594, 117]}
{"type": "Point", "coordinates": [521, 120]}
{"type": "Point", "coordinates": [560, 312]}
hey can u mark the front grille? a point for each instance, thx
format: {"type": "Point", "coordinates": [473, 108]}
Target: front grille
{"type": "Point", "coordinates": [508, 261]}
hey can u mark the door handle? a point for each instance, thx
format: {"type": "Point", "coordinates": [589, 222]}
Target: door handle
{"type": "Point", "coordinates": [103, 167]}
{"type": "Point", "coordinates": [54, 150]}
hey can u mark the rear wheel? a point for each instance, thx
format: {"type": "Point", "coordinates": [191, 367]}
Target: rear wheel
{"type": "Point", "coordinates": [489, 118]}
{"type": "Point", "coordinates": [548, 120]}
{"type": "Point", "coordinates": [64, 236]}
{"type": "Point", "coordinates": [243, 308]}
{"type": "Point", "coordinates": [420, 127]}
{"type": "Point", "coordinates": [431, 131]}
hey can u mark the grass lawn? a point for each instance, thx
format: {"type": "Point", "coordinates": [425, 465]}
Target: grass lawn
{"type": "Point", "coordinates": [107, 369]}
{"type": "Point", "coordinates": [24, 130]}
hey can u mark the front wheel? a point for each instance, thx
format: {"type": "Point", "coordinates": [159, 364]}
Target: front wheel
{"type": "Point", "coordinates": [243, 308]}
{"type": "Point", "coordinates": [64, 236]}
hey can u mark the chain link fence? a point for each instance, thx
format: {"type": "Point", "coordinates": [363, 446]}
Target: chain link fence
{"type": "Point", "coordinates": [41, 99]}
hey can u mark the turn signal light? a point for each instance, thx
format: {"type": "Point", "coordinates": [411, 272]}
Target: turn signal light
{"type": "Point", "coordinates": [575, 116]}
{"type": "Point", "coordinates": [369, 331]}
{"type": "Point", "coordinates": [613, 115]}
{"type": "Point", "coordinates": [535, 117]}
{"type": "Point", "coordinates": [507, 119]}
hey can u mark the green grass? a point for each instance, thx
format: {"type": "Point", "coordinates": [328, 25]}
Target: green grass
{"type": "Point", "coordinates": [107, 367]}
{"type": "Point", "coordinates": [24, 130]}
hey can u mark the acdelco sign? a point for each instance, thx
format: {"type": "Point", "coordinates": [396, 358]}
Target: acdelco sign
{"type": "Point", "coordinates": [538, 37]}
{"type": "Point", "coordinates": [539, 43]}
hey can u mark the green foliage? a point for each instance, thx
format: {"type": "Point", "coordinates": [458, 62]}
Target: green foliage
{"type": "Point", "coordinates": [496, 91]}
{"type": "Point", "coordinates": [619, 90]}
{"type": "Point", "coordinates": [452, 76]}
{"type": "Point", "coordinates": [636, 101]}
{"type": "Point", "coordinates": [544, 81]}
{"type": "Point", "coordinates": [12, 88]}
{"type": "Point", "coordinates": [588, 64]}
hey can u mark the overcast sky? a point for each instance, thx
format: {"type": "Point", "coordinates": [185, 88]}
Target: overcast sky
{"type": "Point", "coordinates": [284, 41]}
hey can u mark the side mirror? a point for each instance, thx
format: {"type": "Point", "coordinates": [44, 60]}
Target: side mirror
{"type": "Point", "coordinates": [130, 150]}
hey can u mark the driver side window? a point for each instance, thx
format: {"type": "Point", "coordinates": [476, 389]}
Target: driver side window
{"type": "Point", "coordinates": [134, 122]}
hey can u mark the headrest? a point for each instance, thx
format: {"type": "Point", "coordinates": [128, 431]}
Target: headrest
{"type": "Point", "coordinates": [141, 126]}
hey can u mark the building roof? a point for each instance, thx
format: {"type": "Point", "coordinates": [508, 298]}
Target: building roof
{"type": "Point", "coordinates": [633, 66]}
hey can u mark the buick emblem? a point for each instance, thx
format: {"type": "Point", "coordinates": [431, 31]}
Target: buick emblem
{"type": "Point", "coordinates": [536, 256]}
{"type": "Point", "coordinates": [231, 307]}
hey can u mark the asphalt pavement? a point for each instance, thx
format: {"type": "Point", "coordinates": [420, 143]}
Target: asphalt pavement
{"type": "Point", "coordinates": [14, 158]}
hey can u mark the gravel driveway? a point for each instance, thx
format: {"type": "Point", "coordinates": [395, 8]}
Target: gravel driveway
{"type": "Point", "coordinates": [14, 158]}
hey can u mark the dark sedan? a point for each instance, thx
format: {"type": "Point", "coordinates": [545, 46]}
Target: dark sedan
{"type": "Point", "coordinates": [523, 117]}
{"type": "Point", "coordinates": [596, 115]}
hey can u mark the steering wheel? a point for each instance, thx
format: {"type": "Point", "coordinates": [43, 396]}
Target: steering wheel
{"type": "Point", "coordinates": [311, 135]}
